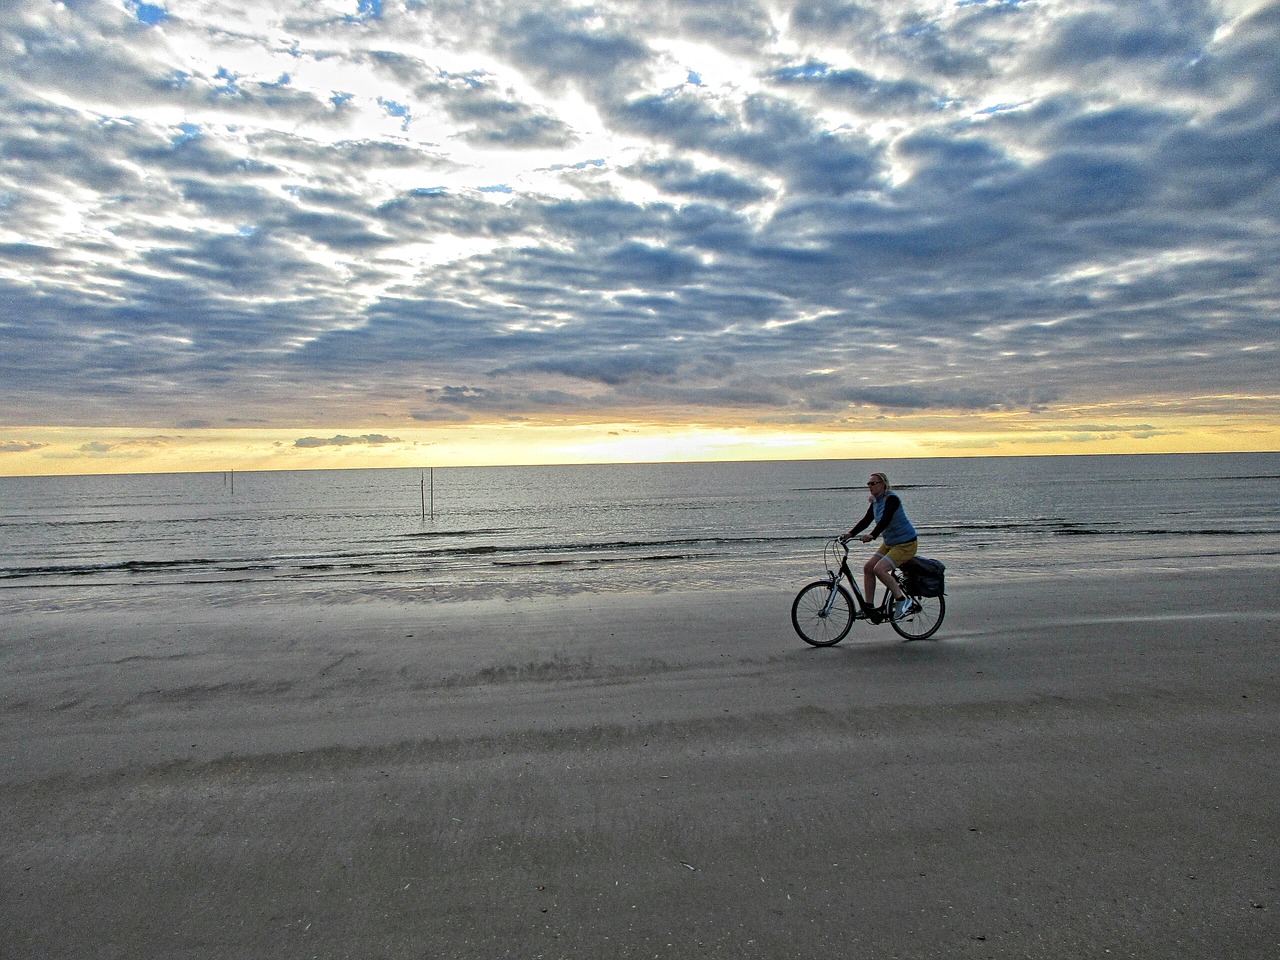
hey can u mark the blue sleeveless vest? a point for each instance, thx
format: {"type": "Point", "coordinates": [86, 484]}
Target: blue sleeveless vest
{"type": "Point", "coordinates": [900, 529]}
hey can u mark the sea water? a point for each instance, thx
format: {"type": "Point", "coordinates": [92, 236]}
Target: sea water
{"type": "Point", "coordinates": [465, 533]}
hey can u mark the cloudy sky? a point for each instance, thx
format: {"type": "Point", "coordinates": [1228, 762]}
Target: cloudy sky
{"type": "Point", "coordinates": [341, 232]}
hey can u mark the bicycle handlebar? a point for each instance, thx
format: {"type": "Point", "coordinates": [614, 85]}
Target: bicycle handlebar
{"type": "Point", "coordinates": [839, 543]}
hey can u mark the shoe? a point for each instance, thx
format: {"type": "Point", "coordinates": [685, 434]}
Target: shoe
{"type": "Point", "coordinates": [902, 608]}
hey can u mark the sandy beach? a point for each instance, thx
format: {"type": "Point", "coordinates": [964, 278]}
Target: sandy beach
{"type": "Point", "coordinates": [1071, 769]}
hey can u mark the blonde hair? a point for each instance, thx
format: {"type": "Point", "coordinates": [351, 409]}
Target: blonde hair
{"type": "Point", "coordinates": [884, 478]}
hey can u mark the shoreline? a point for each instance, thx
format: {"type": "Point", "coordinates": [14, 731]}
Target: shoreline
{"type": "Point", "coordinates": [1072, 766]}
{"type": "Point", "coordinates": [25, 601]}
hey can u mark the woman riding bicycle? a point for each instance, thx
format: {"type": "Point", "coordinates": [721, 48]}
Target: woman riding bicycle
{"type": "Point", "coordinates": [899, 544]}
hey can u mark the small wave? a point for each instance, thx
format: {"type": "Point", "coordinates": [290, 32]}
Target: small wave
{"type": "Point", "coordinates": [594, 545]}
{"type": "Point", "coordinates": [1157, 532]}
{"type": "Point", "coordinates": [90, 569]}
{"type": "Point", "coordinates": [596, 561]}
{"type": "Point", "coordinates": [229, 520]}
{"type": "Point", "coordinates": [1087, 481]}
{"type": "Point", "coordinates": [64, 522]}
{"type": "Point", "coordinates": [489, 532]}
{"type": "Point", "coordinates": [1032, 523]}
{"type": "Point", "coordinates": [861, 488]}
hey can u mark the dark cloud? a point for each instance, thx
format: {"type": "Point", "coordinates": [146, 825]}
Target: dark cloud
{"type": "Point", "coordinates": [613, 369]}
{"type": "Point", "coordinates": [1126, 34]}
{"type": "Point", "coordinates": [368, 439]}
{"type": "Point", "coordinates": [28, 253]}
{"type": "Point", "coordinates": [498, 119]}
{"type": "Point", "coordinates": [439, 415]}
{"type": "Point", "coordinates": [859, 88]}
{"type": "Point", "coordinates": [824, 19]}
{"type": "Point", "coordinates": [766, 133]}
{"type": "Point", "coordinates": [934, 397]}
{"type": "Point", "coordinates": [682, 177]}
{"type": "Point", "coordinates": [736, 26]}
{"type": "Point", "coordinates": [507, 125]}
{"type": "Point", "coordinates": [46, 145]}
{"type": "Point", "coordinates": [568, 45]}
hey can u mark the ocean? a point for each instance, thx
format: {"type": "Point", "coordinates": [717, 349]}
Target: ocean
{"type": "Point", "coordinates": [350, 535]}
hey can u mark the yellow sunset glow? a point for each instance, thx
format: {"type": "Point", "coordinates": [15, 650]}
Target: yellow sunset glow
{"type": "Point", "coordinates": [77, 450]}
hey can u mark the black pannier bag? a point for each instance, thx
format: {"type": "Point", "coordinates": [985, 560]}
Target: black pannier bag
{"type": "Point", "coordinates": [925, 577]}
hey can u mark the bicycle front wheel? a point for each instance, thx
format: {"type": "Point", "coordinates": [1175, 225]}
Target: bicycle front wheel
{"type": "Point", "coordinates": [924, 619]}
{"type": "Point", "coordinates": [818, 618]}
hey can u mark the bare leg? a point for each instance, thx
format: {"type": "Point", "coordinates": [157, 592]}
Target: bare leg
{"type": "Point", "coordinates": [879, 568]}
{"type": "Point", "coordinates": [869, 579]}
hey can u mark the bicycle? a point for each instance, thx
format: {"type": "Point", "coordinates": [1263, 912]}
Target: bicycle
{"type": "Point", "coordinates": [823, 611]}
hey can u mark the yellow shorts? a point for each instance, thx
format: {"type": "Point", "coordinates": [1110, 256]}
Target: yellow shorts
{"type": "Point", "coordinates": [899, 553]}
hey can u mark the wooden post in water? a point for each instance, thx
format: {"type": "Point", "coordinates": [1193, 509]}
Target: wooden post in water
{"type": "Point", "coordinates": [422, 484]}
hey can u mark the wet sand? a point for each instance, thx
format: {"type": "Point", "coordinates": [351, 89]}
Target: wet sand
{"type": "Point", "coordinates": [1069, 770]}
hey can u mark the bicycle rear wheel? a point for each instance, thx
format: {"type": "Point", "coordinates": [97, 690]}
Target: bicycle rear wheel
{"type": "Point", "coordinates": [924, 619]}
{"type": "Point", "coordinates": [816, 624]}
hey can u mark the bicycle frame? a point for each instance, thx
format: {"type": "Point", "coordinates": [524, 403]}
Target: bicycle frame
{"type": "Point", "coordinates": [874, 614]}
